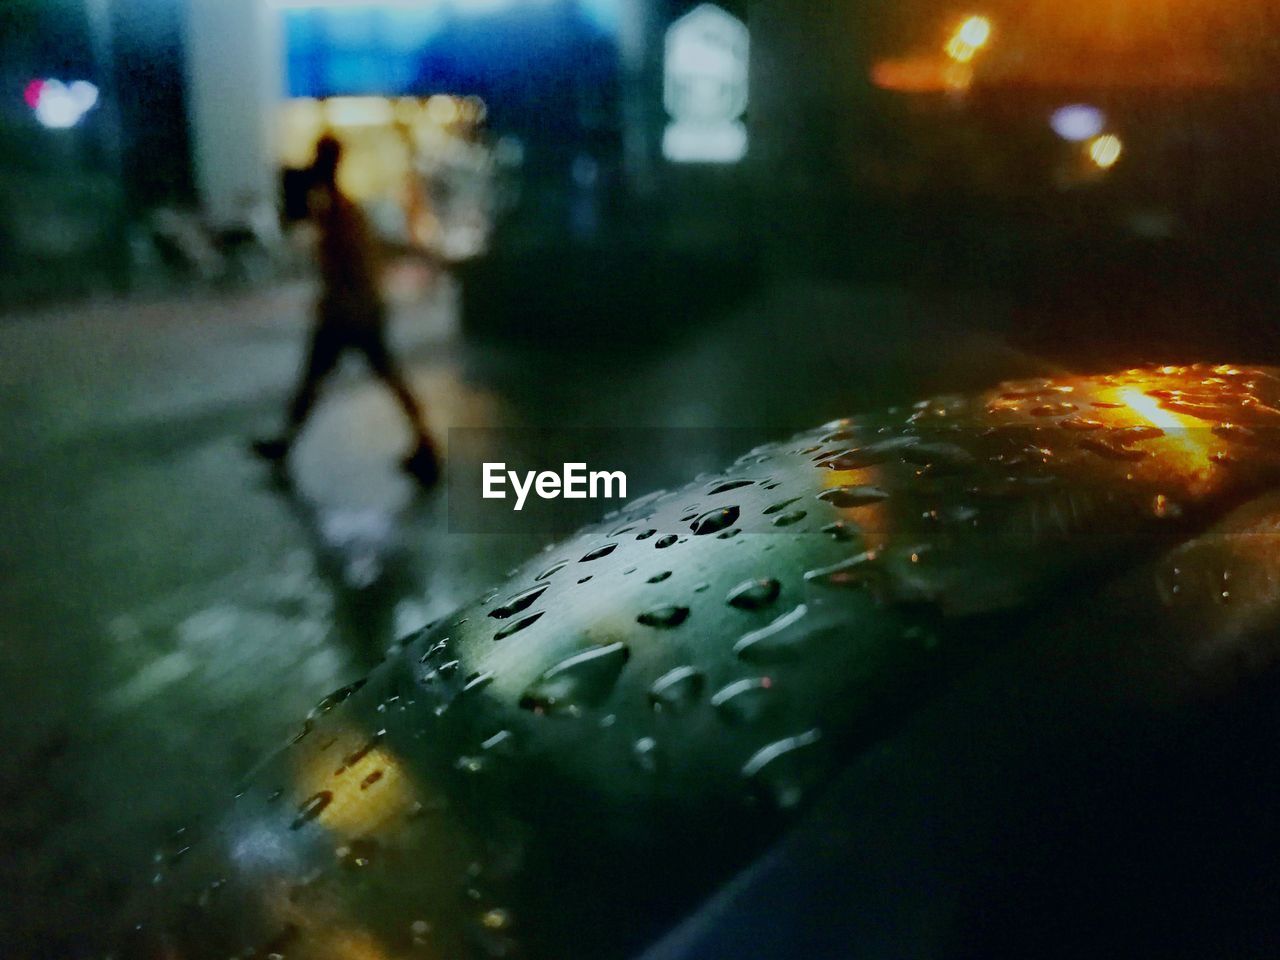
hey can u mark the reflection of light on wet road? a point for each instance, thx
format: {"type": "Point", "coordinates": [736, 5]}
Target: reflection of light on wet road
{"type": "Point", "coordinates": [360, 540]}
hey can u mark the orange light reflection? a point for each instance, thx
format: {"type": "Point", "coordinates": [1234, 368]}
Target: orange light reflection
{"type": "Point", "coordinates": [1183, 449]}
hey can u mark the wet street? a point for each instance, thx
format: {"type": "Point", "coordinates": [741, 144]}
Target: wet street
{"type": "Point", "coordinates": [169, 613]}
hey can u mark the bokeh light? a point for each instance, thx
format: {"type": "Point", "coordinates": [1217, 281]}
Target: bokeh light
{"type": "Point", "coordinates": [1078, 122]}
{"type": "Point", "coordinates": [970, 37]}
{"type": "Point", "coordinates": [1105, 150]}
{"type": "Point", "coordinates": [60, 106]}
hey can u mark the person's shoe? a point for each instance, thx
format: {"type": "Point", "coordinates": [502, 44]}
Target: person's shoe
{"type": "Point", "coordinates": [273, 451]}
{"type": "Point", "coordinates": [423, 464]}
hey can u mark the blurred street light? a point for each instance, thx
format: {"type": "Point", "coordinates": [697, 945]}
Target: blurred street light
{"type": "Point", "coordinates": [1105, 150]}
{"type": "Point", "coordinates": [60, 106]}
{"type": "Point", "coordinates": [1078, 122]}
{"type": "Point", "coordinates": [970, 37]}
{"type": "Point", "coordinates": [975, 31]}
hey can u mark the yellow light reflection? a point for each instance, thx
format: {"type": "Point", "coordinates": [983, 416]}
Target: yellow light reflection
{"type": "Point", "coordinates": [873, 521]}
{"type": "Point", "coordinates": [1105, 150]}
{"type": "Point", "coordinates": [1183, 450]}
{"type": "Point", "coordinates": [362, 789]}
{"type": "Point", "coordinates": [354, 944]}
{"type": "Point", "coordinates": [970, 37]}
{"type": "Point", "coordinates": [975, 31]}
{"type": "Point", "coordinates": [1150, 410]}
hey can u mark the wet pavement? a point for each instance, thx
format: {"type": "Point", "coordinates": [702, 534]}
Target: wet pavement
{"type": "Point", "coordinates": [169, 613]}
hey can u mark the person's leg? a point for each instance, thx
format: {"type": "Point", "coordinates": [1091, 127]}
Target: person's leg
{"type": "Point", "coordinates": [374, 346]}
{"type": "Point", "coordinates": [422, 462]}
{"type": "Point", "coordinates": [322, 356]}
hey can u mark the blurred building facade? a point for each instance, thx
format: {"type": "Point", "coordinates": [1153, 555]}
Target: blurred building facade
{"type": "Point", "coordinates": [92, 130]}
{"type": "Point", "coordinates": [667, 151]}
{"type": "Point", "coordinates": [200, 105]}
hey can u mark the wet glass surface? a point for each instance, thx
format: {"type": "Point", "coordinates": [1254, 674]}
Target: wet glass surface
{"type": "Point", "coordinates": [984, 666]}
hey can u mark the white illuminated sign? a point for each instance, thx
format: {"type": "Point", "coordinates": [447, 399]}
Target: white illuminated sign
{"type": "Point", "coordinates": [705, 88]}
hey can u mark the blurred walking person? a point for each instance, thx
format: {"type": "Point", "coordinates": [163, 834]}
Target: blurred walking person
{"type": "Point", "coordinates": [350, 315]}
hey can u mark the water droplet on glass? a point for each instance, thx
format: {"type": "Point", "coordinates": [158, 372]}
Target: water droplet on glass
{"type": "Point", "coordinates": [645, 752]}
{"type": "Point", "coordinates": [744, 701]}
{"type": "Point", "coordinates": [850, 497]}
{"type": "Point", "coordinates": [1081, 424]}
{"type": "Point", "coordinates": [784, 769]}
{"type": "Point", "coordinates": [716, 521]}
{"type": "Point", "coordinates": [311, 808]}
{"type": "Point", "coordinates": [1234, 431]}
{"type": "Point", "coordinates": [1112, 451]}
{"type": "Point", "coordinates": [356, 854]}
{"type": "Point", "coordinates": [1136, 434]}
{"type": "Point", "coordinates": [858, 571]}
{"type": "Point", "coordinates": [327, 703]}
{"type": "Point", "coordinates": [599, 552]}
{"type": "Point", "coordinates": [477, 681]}
{"type": "Point", "coordinates": [501, 743]}
{"type": "Point", "coordinates": [519, 625]}
{"type": "Point", "coordinates": [774, 642]}
{"type": "Point", "coordinates": [351, 759]}
{"type": "Point", "coordinates": [754, 594]}
{"type": "Point", "coordinates": [664, 617]}
{"type": "Point", "coordinates": [583, 680]}
{"type": "Point", "coordinates": [936, 455]}
{"type": "Point", "coordinates": [552, 570]}
{"type": "Point", "coordinates": [790, 519]}
{"type": "Point", "coordinates": [517, 604]}
{"type": "Point", "coordinates": [670, 540]}
{"type": "Point", "coordinates": [676, 690]}
{"type": "Point", "coordinates": [727, 485]}
{"type": "Point", "coordinates": [871, 455]}
{"type": "Point", "coordinates": [307, 726]}
{"type": "Point", "coordinates": [779, 507]}
{"type": "Point", "coordinates": [1053, 409]}
{"type": "Point", "coordinates": [660, 577]}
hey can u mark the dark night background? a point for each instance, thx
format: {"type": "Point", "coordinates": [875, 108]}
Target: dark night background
{"type": "Point", "coordinates": [903, 223]}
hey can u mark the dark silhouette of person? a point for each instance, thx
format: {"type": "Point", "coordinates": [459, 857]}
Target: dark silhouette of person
{"type": "Point", "coordinates": [350, 315]}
